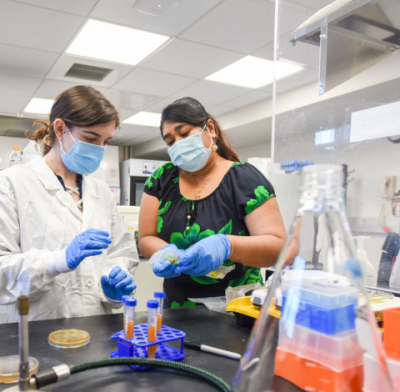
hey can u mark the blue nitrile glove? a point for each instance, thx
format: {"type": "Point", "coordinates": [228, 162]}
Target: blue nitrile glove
{"type": "Point", "coordinates": [163, 267]}
{"type": "Point", "coordinates": [205, 256]}
{"type": "Point", "coordinates": [117, 284]}
{"type": "Point", "coordinates": [88, 243]}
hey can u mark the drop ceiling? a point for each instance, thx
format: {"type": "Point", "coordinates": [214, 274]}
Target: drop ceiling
{"type": "Point", "coordinates": [205, 36]}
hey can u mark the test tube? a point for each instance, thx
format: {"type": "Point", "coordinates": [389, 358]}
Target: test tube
{"type": "Point", "coordinates": [152, 305]}
{"type": "Point", "coordinates": [160, 297]}
{"type": "Point", "coordinates": [123, 301]}
{"type": "Point", "coordinates": [130, 306]}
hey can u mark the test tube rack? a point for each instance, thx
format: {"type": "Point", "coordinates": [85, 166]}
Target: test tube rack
{"type": "Point", "coordinates": [137, 347]}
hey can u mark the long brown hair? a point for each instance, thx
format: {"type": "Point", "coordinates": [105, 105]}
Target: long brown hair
{"type": "Point", "coordinates": [190, 111]}
{"type": "Point", "coordinates": [79, 106]}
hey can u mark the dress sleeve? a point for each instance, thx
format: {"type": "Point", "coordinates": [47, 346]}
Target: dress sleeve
{"type": "Point", "coordinates": [159, 180]}
{"type": "Point", "coordinates": [250, 187]}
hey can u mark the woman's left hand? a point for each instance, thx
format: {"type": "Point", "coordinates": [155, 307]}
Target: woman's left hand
{"type": "Point", "coordinates": [117, 284]}
{"type": "Point", "coordinates": [205, 256]}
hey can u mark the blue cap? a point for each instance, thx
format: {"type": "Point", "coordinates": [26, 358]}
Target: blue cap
{"type": "Point", "coordinates": [153, 304]}
{"type": "Point", "coordinates": [130, 301]}
{"type": "Point", "coordinates": [159, 294]}
{"type": "Point", "coordinates": [123, 298]}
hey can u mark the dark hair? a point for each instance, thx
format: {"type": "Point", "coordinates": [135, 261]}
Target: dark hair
{"type": "Point", "coordinates": [190, 111]}
{"type": "Point", "coordinates": [79, 106]}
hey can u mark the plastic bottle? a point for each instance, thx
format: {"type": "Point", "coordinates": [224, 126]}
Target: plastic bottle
{"type": "Point", "coordinates": [16, 156]}
{"type": "Point", "coordinates": [152, 306]}
{"type": "Point", "coordinates": [320, 338]}
{"type": "Point", "coordinates": [370, 275]}
{"type": "Point", "coordinates": [160, 297]}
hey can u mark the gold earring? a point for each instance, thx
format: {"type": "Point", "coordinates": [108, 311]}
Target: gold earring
{"type": "Point", "coordinates": [214, 147]}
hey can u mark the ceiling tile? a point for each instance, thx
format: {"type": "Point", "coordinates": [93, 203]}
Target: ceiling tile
{"type": "Point", "coordinates": [123, 12]}
{"type": "Point", "coordinates": [153, 82]}
{"type": "Point", "coordinates": [237, 25]}
{"type": "Point", "coordinates": [212, 92]}
{"type": "Point", "coordinates": [12, 104]}
{"type": "Point", "coordinates": [76, 7]}
{"type": "Point", "coordinates": [49, 89]}
{"type": "Point", "coordinates": [218, 110]}
{"type": "Point", "coordinates": [159, 106]}
{"type": "Point", "coordinates": [36, 28]}
{"type": "Point", "coordinates": [26, 62]}
{"type": "Point", "coordinates": [128, 100]}
{"type": "Point", "coordinates": [315, 5]}
{"type": "Point", "coordinates": [247, 99]}
{"type": "Point", "coordinates": [297, 80]}
{"type": "Point", "coordinates": [18, 85]}
{"type": "Point", "coordinates": [190, 59]}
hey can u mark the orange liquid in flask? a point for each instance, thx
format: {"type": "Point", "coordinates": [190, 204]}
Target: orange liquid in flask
{"type": "Point", "coordinates": [159, 323]}
{"type": "Point", "coordinates": [129, 328]}
{"type": "Point", "coordinates": [151, 350]}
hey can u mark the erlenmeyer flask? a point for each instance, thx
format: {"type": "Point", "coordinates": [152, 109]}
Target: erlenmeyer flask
{"type": "Point", "coordinates": [325, 331]}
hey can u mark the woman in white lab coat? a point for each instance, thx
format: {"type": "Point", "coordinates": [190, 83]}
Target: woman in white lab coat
{"type": "Point", "coordinates": [62, 240]}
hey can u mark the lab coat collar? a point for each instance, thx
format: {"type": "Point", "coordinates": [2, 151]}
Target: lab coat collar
{"type": "Point", "coordinates": [51, 183]}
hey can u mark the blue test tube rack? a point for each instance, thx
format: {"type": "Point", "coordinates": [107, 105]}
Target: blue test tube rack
{"type": "Point", "coordinates": [137, 347]}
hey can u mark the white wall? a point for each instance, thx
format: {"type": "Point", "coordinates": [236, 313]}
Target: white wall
{"type": "Point", "coordinates": [6, 145]}
{"type": "Point", "coordinates": [262, 150]}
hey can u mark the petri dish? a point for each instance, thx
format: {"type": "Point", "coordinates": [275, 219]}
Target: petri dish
{"type": "Point", "coordinates": [69, 338]}
{"type": "Point", "coordinates": [9, 368]}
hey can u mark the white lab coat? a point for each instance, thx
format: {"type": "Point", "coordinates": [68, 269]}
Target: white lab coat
{"type": "Point", "coordinates": [38, 220]}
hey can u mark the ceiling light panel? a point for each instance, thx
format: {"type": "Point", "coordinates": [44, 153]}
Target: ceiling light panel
{"type": "Point", "coordinates": [253, 72]}
{"type": "Point", "coordinates": [114, 43]}
{"type": "Point", "coordinates": [144, 118]}
{"type": "Point", "coordinates": [39, 106]}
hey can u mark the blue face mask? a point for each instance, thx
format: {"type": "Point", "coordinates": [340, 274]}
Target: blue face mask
{"type": "Point", "coordinates": [189, 153]}
{"type": "Point", "coordinates": [82, 158]}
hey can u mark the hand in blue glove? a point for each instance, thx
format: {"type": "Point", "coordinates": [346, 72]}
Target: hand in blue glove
{"type": "Point", "coordinates": [205, 256]}
{"type": "Point", "coordinates": [88, 243]}
{"type": "Point", "coordinates": [117, 284]}
{"type": "Point", "coordinates": [163, 267]}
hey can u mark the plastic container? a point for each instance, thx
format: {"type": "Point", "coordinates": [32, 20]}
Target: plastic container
{"type": "Point", "coordinates": [327, 306]}
{"type": "Point", "coordinates": [339, 352]}
{"type": "Point", "coordinates": [9, 368]}
{"type": "Point", "coordinates": [159, 296]}
{"type": "Point", "coordinates": [129, 316]}
{"type": "Point", "coordinates": [152, 306]}
{"type": "Point", "coordinates": [16, 156]}
{"type": "Point", "coordinates": [373, 377]}
{"type": "Point", "coordinates": [310, 375]}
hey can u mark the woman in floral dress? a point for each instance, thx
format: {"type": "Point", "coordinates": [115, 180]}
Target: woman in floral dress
{"type": "Point", "coordinates": [219, 215]}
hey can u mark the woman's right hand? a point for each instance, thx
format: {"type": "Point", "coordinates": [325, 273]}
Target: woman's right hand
{"type": "Point", "coordinates": [86, 244]}
{"type": "Point", "coordinates": [163, 266]}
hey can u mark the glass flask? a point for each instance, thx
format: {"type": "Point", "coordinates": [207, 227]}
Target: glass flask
{"type": "Point", "coordinates": [316, 330]}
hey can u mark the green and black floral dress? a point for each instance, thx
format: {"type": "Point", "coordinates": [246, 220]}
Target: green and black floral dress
{"type": "Point", "coordinates": [240, 192]}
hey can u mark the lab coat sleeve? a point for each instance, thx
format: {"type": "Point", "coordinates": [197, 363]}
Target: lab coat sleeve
{"type": "Point", "coordinates": [122, 252]}
{"type": "Point", "coordinates": [30, 273]}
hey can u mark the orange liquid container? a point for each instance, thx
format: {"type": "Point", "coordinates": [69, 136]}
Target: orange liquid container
{"type": "Point", "coordinates": [129, 329]}
{"type": "Point", "coordinates": [159, 323]}
{"type": "Point", "coordinates": [152, 338]}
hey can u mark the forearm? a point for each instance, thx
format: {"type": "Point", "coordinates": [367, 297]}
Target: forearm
{"type": "Point", "coordinates": [149, 245]}
{"type": "Point", "coordinates": [255, 251]}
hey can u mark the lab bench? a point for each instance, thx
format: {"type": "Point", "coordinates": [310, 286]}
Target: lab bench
{"type": "Point", "coordinates": [200, 324]}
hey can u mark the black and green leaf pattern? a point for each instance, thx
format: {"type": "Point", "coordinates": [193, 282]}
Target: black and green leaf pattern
{"type": "Point", "coordinates": [161, 212]}
{"type": "Point", "coordinates": [149, 183]}
{"type": "Point", "coordinates": [175, 180]}
{"type": "Point", "coordinates": [238, 163]}
{"type": "Point", "coordinates": [186, 304]}
{"type": "Point", "coordinates": [190, 237]}
{"type": "Point", "coordinates": [252, 275]}
{"type": "Point", "coordinates": [262, 195]}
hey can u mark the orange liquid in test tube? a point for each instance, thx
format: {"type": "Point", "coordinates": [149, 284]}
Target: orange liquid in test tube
{"type": "Point", "coordinates": [152, 338]}
{"type": "Point", "coordinates": [129, 328]}
{"type": "Point", "coordinates": [159, 323]}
